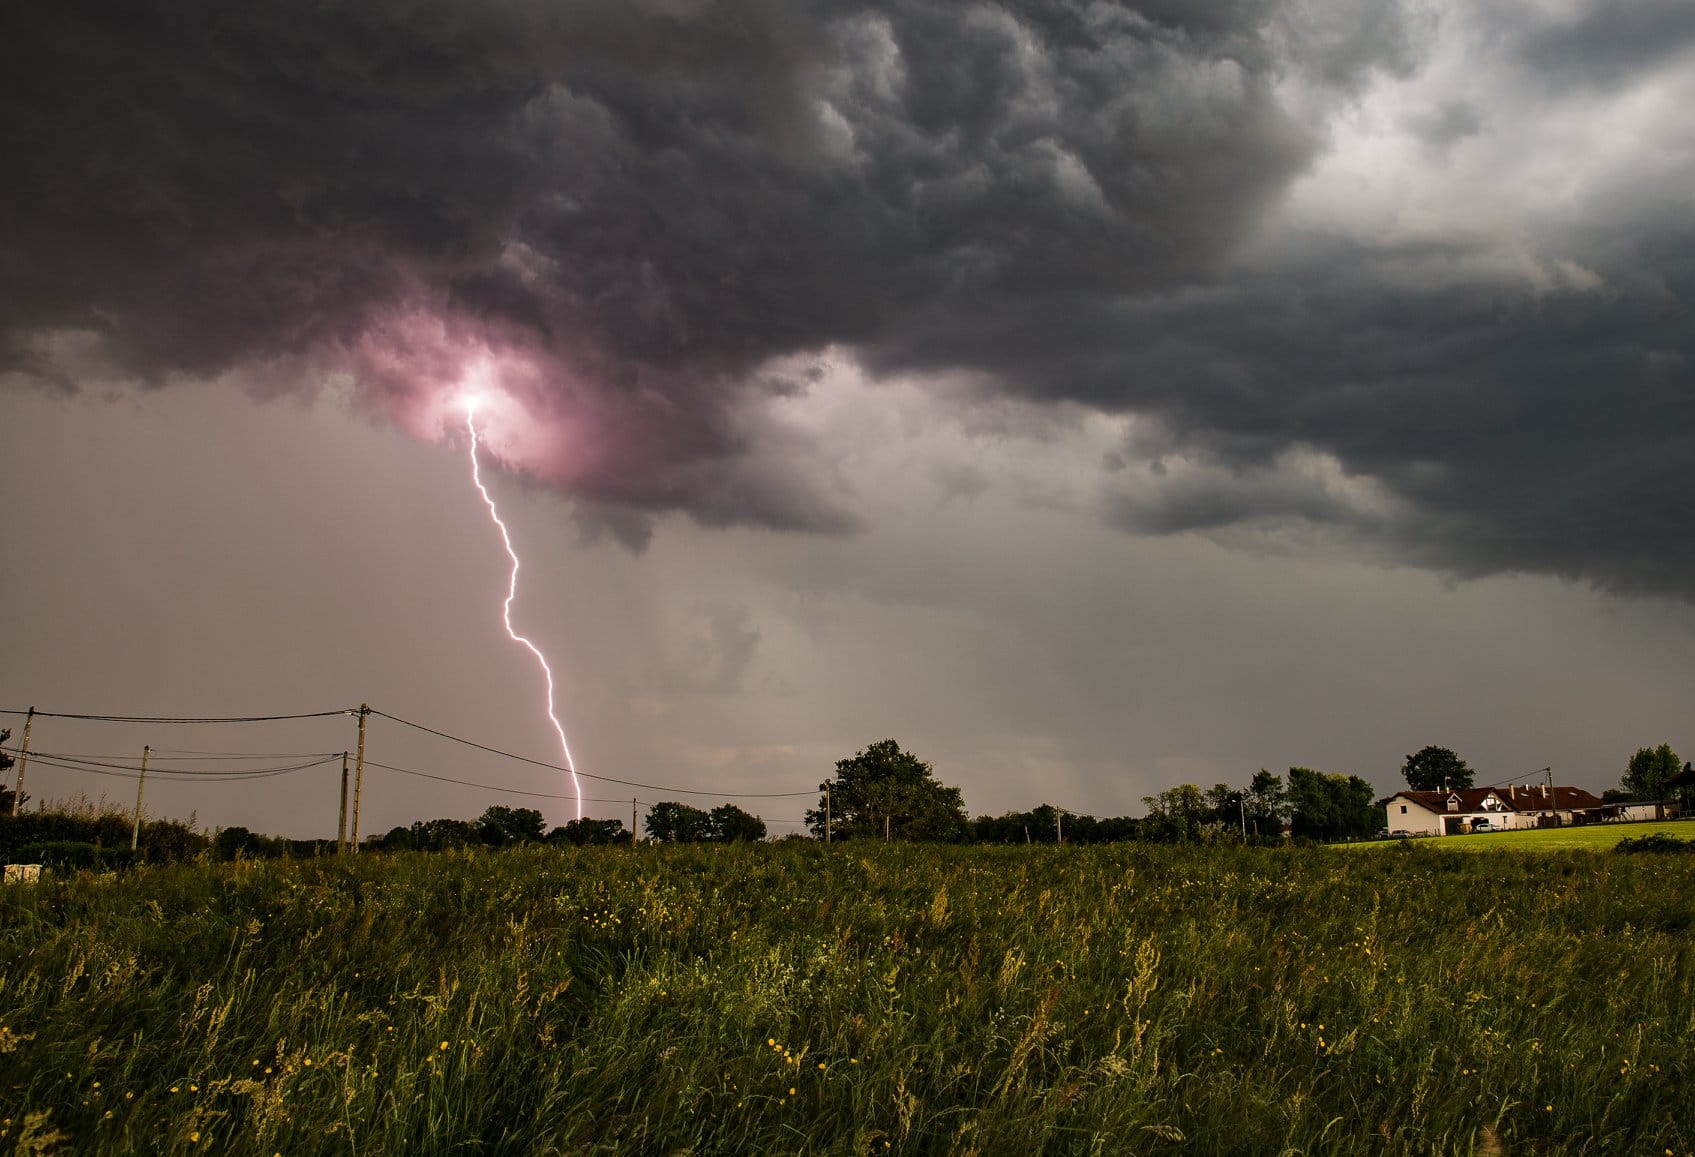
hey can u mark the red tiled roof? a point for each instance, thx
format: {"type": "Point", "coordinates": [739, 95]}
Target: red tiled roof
{"type": "Point", "coordinates": [1523, 798]}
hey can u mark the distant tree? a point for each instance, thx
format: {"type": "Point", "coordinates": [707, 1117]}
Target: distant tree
{"type": "Point", "coordinates": [883, 785]}
{"type": "Point", "coordinates": [1435, 769]}
{"type": "Point", "coordinates": [1040, 825]}
{"type": "Point", "coordinates": [590, 831]}
{"type": "Point", "coordinates": [678, 823]}
{"type": "Point", "coordinates": [232, 842]}
{"type": "Point", "coordinates": [439, 835]}
{"type": "Point", "coordinates": [1226, 807]}
{"type": "Point", "coordinates": [1175, 815]}
{"type": "Point", "coordinates": [1267, 804]}
{"type": "Point", "coordinates": [1647, 774]}
{"type": "Point", "coordinates": [499, 826]}
{"type": "Point", "coordinates": [730, 824]}
{"type": "Point", "coordinates": [398, 839]}
{"type": "Point", "coordinates": [1330, 805]}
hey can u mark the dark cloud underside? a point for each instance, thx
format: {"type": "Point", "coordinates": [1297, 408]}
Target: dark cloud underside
{"type": "Point", "coordinates": [651, 204]}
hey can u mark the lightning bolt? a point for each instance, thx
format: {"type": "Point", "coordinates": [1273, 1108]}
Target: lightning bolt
{"type": "Point", "coordinates": [512, 593]}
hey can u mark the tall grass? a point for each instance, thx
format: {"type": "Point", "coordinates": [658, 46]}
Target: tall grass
{"type": "Point", "coordinates": [855, 999]}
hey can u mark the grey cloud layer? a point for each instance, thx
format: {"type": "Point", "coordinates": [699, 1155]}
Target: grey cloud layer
{"type": "Point", "coordinates": [656, 201]}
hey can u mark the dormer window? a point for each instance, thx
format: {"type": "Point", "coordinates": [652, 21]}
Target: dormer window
{"type": "Point", "coordinates": [1453, 803]}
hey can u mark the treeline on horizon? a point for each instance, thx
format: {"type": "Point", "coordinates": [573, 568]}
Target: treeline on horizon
{"type": "Point", "coordinates": [880, 793]}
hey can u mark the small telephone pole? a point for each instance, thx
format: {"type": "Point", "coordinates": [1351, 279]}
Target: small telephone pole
{"type": "Point", "coordinates": [826, 812]}
{"type": "Point", "coordinates": [1058, 826]}
{"type": "Point", "coordinates": [632, 822]}
{"type": "Point", "coordinates": [23, 762]}
{"type": "Point", "coordinates": [341, 822]}
{"type": "Point", "coordinates": [359, 773]}
{"type": "Point", "coordinates": [885, 829]}
{"type": "Point", "coordinates": [140, 786]}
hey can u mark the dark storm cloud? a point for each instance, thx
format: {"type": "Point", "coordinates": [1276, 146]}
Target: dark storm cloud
{"type": "Point", "coordinates": [650, 200]}
{"type": "Point", "coordinates": [650, 205]}
{"type": "Point", "coordinates": [1605, 44]}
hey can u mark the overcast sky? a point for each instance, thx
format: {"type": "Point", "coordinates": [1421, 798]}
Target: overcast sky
{"type": "Point", "coordinates": [1091, 397]}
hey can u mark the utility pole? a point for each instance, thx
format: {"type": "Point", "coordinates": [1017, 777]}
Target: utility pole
{"type": "Point", "coordinates": [885, 829]}
{"type": "Point", "coordinates": [1058, 826]}
{"type": "Point", "coordinates": [632, 822]}
{"type": "Point", "coordinates": [359, 773]}
{"type": "Point", "coordinates": [341, 822]}
{"type": "Point", "coordinates": [140, 786]}
{"type": "Point", "coordinates": [826, 812]}
{"type": "Point", "coordinates": [1242, 807]}
{"type": "Point", "coordinates": [1552, 800]}
{"type": "Point", "coordinates": [23, 762]}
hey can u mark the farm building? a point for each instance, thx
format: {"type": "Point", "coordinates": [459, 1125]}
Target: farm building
{"type": "Point", "coordinates": [1468, 809]}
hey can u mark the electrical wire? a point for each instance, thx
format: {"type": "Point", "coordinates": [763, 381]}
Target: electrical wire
{"type": "Point", "coordinates": [171, 775]}
{"type": "Point", "coordinates": [589, 775]}
{"type": "Point", "coordinates": [179, 718]}
{"type": "Point", "coordinates": [225, 719]}
{"type": "Point", "coordinates": [519, 791]}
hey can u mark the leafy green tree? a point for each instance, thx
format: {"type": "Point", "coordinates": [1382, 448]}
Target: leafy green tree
{"type": "Point", "coordinates": [884, 785]}
{"type": "Point", "coordinates": [232, 842]}
{"type": "Point", "coordinates": [1267, 805]}
{"type": "Point", "coordinates": [1331, 805]}
{"type": "Point", "coordinates": [1647, 774]}
{"type": "Point", "coordinates": [590, 831]}
{"type": "Point", "coordinates": [439, 835]}
{"type": "Point", "coordinates": [500, 826]}
{"type": "Point", "coordinates": [678, 823]}
{"type": "Point", "coordinates": [1175, 815]}
{"type": "Point", "coordinates": [731, 824]}
{"type": "Point", "coordinates": [1436, 769]}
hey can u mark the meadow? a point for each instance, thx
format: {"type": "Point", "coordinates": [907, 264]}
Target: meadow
{"type": "Point", "coordinates": [1588, 837]}
{"type": "Point", "coordinates": [794, 998]}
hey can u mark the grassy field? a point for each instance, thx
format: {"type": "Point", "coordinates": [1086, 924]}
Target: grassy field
{"type": "Point", "coordinates": [793, 998]}
{"type": "Point", "coordinates": [1591, 837]}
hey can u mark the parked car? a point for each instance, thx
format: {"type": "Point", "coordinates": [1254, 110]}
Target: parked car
{"type": "Point", "coordinates": [1484, 826]}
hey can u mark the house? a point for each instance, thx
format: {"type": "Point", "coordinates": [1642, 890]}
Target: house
{"type": "Point", "coordinates": [1468, 809]}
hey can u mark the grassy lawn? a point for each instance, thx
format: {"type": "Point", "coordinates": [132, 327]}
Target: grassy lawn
{"type": "Point", "coordinates": [1594, 837]}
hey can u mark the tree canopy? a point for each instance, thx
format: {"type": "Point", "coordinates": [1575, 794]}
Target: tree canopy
{"type": "Point", "coordinates": [885, 788]}
{"type": "Point", "coordinates": [1647, 775]}
{"type": "Point", "coordinates": [680, 823]}
{"type": "Point", "coordinates": [1436, 769]}
{"type": "Point", "coordinates": [1331, 805]}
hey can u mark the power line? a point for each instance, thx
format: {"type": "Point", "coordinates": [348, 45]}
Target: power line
{"type": "Point", "coordinates": [227, 719]}
{"type": "Point", "coordinates": [517, 791]}
{"type": "Point", "coordinates": [485, 786]}
{"type": "Point", "coordinates": [121, 771]}
{"type": "Point", "coordinates": [190, 756]}
{"type": "Point", "coordinates": [178, 718]}
{"type": "Point", "coordinates": [589, 775]}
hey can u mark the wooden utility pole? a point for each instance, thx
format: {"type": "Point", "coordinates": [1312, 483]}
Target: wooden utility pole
{"type": "Point", "coordinates": [23, 762]}
{"type": "Point", "coordinates": [341, 821]}
{"type": "Point", "coordinates": [1553, 802]}
{"type": "Point", "coordinates": [826, 812]}
{"type": "Point", "coordinates": [140, 786]}
{"type": "Point", "coordinates": [1058, 826]}
{"type": "Point", "coordinates": [1242, 806]}
{"type": "Point", "coordinates": [885, 829]}
{"type": "Point", "coordinates": [359, 773]}
{"type": "Point", "coordinates": [632, 823]}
